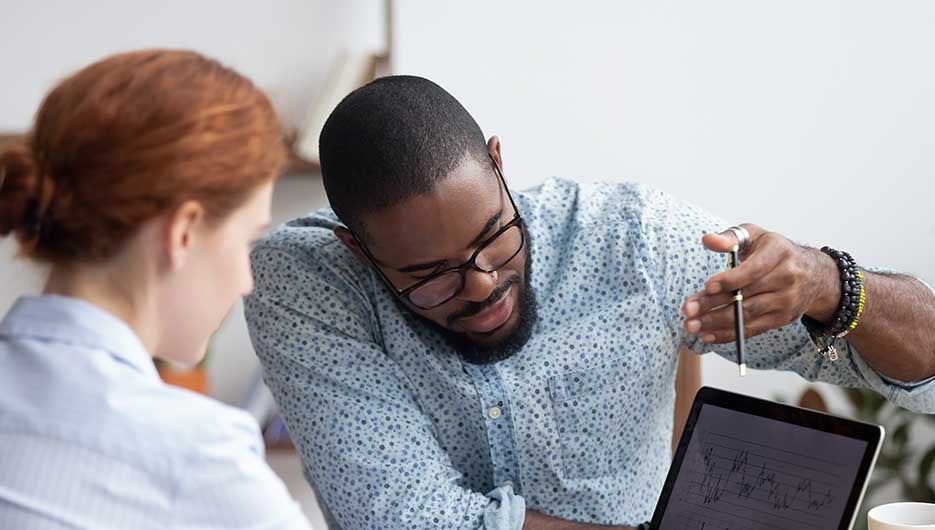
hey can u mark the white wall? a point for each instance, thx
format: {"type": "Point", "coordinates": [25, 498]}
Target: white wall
{"type": "Point", "coordinates": [813, 119]}
{"type": "Point", "coordinates": [285, 46]}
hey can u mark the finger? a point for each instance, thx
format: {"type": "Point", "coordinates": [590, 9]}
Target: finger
{"type": "Point", "coordinates": [722, 318]}
{"type": "Point", "coordinates": [701, 302]}
{"type": "Point", "coordinates": [758, 264]}
{"type": "Point", "coordinates": [752, 329]}
{"type": "Point", "coordinates": [726, 240]}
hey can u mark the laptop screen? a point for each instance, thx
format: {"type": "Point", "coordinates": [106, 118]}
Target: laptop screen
{"type": "Point", "coordinates": [743, 471]}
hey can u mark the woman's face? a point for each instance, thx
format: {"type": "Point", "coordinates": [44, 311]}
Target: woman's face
{"type": "Point", "coordinates": [216, 272]}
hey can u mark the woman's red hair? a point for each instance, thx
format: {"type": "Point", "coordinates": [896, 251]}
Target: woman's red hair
{"type": "Point", "coordinates": [128, 138]}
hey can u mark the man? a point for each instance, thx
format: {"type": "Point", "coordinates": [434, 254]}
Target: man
{"type": "Point", "coordinates": [451, 354]}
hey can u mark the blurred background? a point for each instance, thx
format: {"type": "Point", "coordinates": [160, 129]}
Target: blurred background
{"type": "Point", "coordinates": [811, 118]}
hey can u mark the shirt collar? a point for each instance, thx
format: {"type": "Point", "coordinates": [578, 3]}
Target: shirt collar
{"type": "Point", "coordinates": [71, 320]}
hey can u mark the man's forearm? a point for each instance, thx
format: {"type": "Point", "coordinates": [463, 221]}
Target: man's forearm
{"type": "Point", "coordinates": [896, 334]}
{"type": "Point", "coordinates": [781, 280]}
{"type": "Point", "coordinates": [538, 521]}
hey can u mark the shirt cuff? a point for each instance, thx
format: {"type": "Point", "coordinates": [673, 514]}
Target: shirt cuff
{"type": "Point", "coordinates": [917, 396]}
{"type": "Point", "coordinates": [507, 512]}
{"type": "Point", "coordinates": [906, 385]}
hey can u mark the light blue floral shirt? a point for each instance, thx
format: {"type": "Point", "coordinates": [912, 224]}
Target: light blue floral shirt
{"type": "Point", "coordinates": [397, 432]}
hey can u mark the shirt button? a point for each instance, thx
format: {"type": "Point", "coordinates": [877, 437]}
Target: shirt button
{"type": "Point", "coordinates": [494, 412]}
{"type": "Point", "coordinates": [508, 483]}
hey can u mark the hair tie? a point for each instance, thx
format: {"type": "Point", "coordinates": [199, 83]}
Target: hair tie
{"type": "Point", "coordinates": [31, 221]}
{"type": "Point", "coordinates": [34, 224]}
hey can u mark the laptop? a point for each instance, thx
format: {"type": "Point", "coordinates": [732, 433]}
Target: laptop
{"type": "Point", "coordinates": [749, 464]}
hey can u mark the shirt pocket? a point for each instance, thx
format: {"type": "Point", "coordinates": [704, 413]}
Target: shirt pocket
{"type": "Point", "coordinates": [604, 419]}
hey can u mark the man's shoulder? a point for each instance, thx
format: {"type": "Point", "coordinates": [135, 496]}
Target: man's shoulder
{"type": "Point", "coordinates": [310, 244]}
{"type": "Point", "coordinates": [599, 201]}
{"type": "Point", "coordinates": [303, 262]}
{"type": "Point", "coordinates": [304, 235]}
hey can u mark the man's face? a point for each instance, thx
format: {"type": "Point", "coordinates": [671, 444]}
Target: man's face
{"type": "Point", "coordinates": [430, 233]}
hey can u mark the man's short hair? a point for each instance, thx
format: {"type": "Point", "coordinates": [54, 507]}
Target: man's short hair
{"type": "Point", "coordinates": [391, 140]}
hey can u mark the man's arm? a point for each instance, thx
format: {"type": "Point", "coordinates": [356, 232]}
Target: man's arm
{"type": "Point", "coordinates": [538, 521]}
{"type": "Point", "coordinates": [896, 335]}
{"type": "Point", "coordinates": [781, 281]}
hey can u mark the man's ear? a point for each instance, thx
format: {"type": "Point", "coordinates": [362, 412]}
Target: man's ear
{"type": "Point", "coordinates": [181, 231]}
{"type": "Point", "coordinates": [493, 147]}
{"type": "Point", "coordinates": [348, 239]}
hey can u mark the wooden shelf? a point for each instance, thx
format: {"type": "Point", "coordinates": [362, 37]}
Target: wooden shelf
{"type": "Point", "coordinates": [296, 165]}
{"type": "Point", "coordinates": [7, 139]}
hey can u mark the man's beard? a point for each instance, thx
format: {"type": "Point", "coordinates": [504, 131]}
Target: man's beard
{"type": "Point", "coordinates": [505, 348]}
{"type": "Point", "coordinates": [527, 306]}
{"type": "Point", "coordinates": [476, 353]}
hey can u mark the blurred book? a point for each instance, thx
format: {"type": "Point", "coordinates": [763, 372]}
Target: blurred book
{"type": "Point", "coordinates": [259, 402]}
{"type": "Point", "coordinates": [350, 71]}
{"type": "Point", "coordinates": [275, 434]}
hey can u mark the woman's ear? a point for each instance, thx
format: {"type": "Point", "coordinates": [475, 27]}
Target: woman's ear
{"type": "Point", "coordinates": [181, 232]}
{"type": "Point", "coordinates": [351, 243]}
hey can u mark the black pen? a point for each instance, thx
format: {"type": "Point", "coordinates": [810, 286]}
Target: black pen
{"type": "Point", "coordinates": [734, 261]}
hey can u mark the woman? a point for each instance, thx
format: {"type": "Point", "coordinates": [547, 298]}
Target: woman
{"type": "Point", "coordinates": [144, 181]}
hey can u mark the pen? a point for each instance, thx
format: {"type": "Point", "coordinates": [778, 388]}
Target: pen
{"type": "Point", "coordinates": [734, 261]}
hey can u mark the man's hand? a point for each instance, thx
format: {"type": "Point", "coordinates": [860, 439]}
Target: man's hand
{"type": "Point", "coordinates": [780, 280]}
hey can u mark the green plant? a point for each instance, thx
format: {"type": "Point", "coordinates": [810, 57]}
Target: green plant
{"type": "Point", "coordinates": [901, 462]}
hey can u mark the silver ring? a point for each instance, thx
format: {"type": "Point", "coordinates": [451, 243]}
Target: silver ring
{"type": "Point", "coordinates": [743, 237]}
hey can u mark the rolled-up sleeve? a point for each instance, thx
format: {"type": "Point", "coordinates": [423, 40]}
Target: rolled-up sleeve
{"type": "Point", "coordinates": [368, 448]}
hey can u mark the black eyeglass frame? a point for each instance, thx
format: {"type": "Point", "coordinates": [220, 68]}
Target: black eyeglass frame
{"type": "Point", "coordinates": [464, 267]}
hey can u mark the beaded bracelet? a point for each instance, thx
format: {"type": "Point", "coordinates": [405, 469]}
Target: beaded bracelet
{"type": "Point", "coordinates": [850, 307]}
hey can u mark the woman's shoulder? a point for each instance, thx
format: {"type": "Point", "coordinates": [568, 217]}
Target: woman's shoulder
{"type": "Point", "coordinates": [192, 424]}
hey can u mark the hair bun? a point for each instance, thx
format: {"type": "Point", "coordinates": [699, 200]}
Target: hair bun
{"type": "Point", "coordinates": [19, 188]}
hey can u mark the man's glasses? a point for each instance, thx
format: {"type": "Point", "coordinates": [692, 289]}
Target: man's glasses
{"type": "Point", "coordinates": [495, 252]}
